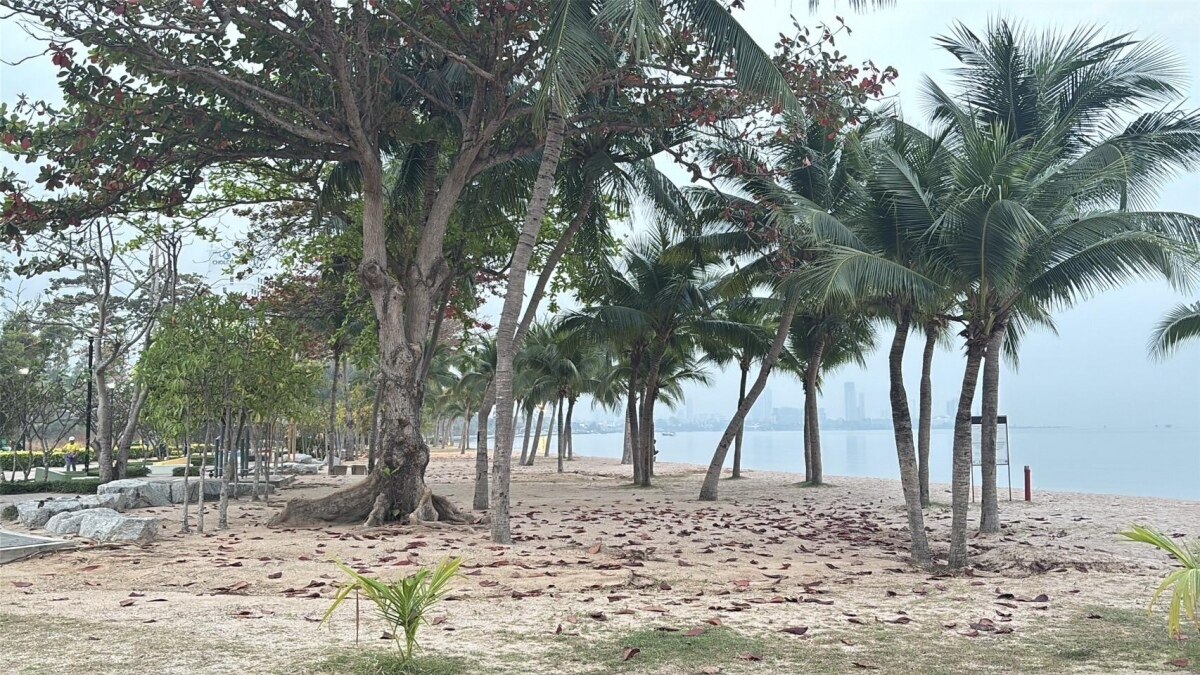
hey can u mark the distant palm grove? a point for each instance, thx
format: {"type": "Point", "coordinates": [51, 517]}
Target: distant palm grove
{"type": "Point", "coordinates": [397, 164]}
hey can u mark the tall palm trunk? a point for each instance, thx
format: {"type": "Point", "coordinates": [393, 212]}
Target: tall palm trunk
{"type": "Point", "coordinates": [480, 502]}
{"type": "Point", "coordinates": [708, 491]}
{"type": "Point", "coordinates": [741, 430]}
{"type": "Point", "coordinates": [925, 430]}
{"type": "Point", "coordinates": [989, 520]}
{"type": "Point", "coordinates": [627, 441]}
{"type": "Point", "coordinates": [631, 416]}
{"type": "Point", "coordinates": [813, 467]}
{"type": "Point", "coordinates": [466, 434]}
{"type": "Point", "coordinates": [905, 452]}
{"type": "Point", "coordinates": [960, 488]}
{"type": "Point", "coordinates": [525, 438]}
{"type": "Point", "coordinates": [507, 338]}
{"type": "Point", "coordinates": [570, 435]}
{"type": "Point", "coordinates": [550, 425]}
{"type": "Point", "coordinates": [537, 435]}
{"type": "Point", "coordinates": [562, 435]}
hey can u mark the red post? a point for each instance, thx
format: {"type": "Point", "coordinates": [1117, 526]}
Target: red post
{"type": "Point", "coordinates": [1028, 484]}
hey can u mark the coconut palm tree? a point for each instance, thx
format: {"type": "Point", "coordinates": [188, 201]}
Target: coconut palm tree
{"type": "Point", "coordinates": [820, 341]}
{"type": "Point", "coordinates": [1179, 325]}
{"type": "Point", "coordinates": [656, 299]}
{"type": "Point", "coordinates": [743, 349]}
{"type": "Point", "coordinates": [1037, 205]}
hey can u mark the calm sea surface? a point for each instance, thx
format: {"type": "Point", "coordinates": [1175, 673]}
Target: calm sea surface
{"type": "Point", "coordinates": [1147, 462]}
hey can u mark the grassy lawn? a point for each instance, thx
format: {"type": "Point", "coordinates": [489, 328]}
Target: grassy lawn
{"type": "Point", "coordinates": [1120, 640]}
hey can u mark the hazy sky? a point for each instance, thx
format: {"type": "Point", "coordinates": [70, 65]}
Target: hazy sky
{"type": "Point", "coordinates": [1094, 372]}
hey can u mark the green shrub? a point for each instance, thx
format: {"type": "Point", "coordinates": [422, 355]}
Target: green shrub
{"type": "Point", "coordinates": [191, 471]}
{"type": "Point", "coordinates": [84, 486]}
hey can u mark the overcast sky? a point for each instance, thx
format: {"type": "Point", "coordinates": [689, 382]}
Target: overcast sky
{"type": "Point", "coordinates": [1095, 372]}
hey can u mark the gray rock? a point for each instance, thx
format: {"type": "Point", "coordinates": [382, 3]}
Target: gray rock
{"type": "Point", "coordinates": [298, 468]}
{"type": "Point", "coordinates": [212, 490]}
{"type": "Point", "coordinates": [302, 458]}
{"type": "Point", "coordinates": [106, 525]}
{"type": "Point", "coordinates": [139, 493]}
{"type": "Point", "coordinates": [68, 522]}
{"type": "Point", "coordinates": [37, 513]}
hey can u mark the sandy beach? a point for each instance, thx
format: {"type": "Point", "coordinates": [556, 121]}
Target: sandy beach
{"type": "Point", "coordinates": [600, 567]}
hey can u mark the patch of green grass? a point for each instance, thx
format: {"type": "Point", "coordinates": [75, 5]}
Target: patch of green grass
{"type": "Point", "coordinates": [1120, 640]}
{"type": "Point", "coordinates": [361, 662]}
{"type": "Point", "coordinates": [674, 651]}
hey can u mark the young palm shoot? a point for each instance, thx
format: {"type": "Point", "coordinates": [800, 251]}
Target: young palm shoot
{"type": "Point", "coordinates": [405, 604]}
{"type": "Point", "coordinates": [1185, 583]}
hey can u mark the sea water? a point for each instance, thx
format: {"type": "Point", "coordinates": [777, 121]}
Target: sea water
{"type": "Point", "coordinates": [1157, 462]}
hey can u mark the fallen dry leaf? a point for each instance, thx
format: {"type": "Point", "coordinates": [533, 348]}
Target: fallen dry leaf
{"type": "Point", "coordinates": [629, 653]}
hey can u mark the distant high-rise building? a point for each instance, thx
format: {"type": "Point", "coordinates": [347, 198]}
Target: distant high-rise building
{"type": "Point", "coordinates": [852, 411]}
{"type": "Point", "coordinates": [862, 407]}
{"type": "Point", "coordinates": [950, 408]}
{"type": "Point", "coordinates": [763, 407]}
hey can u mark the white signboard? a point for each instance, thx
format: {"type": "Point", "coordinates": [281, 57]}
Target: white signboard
{"type": "Point", "coordinates": [1001, 441]}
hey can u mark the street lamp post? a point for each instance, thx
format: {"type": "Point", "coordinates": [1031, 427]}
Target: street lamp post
{"type": "Point", "coordinates": [87, 433]}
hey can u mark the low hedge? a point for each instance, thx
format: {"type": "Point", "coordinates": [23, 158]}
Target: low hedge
{"type": "Point", "coordinates": [84, 486]}
{"type": "Point", "coordinates": [57, 459]}
{"type": "Point", "coordinates": [192, 471]}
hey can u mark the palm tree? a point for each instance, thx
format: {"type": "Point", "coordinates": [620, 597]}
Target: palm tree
{"type": "Point", "coordinates": [1055, 180]}
{"type": "Point", "coordinates": [743, 349]}
{"type": "Point", "coordinates": [821, 340]}
{"type": "Point", "coordinates": [658, 300]}
{"type": "Point", "coordinates": [1179, 325]}
{"type": "Point", "coordinates": [1033, 189]}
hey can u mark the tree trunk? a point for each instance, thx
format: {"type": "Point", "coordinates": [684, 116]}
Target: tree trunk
{"type": "Point", "coordinates": [331, 434]}
{"type": "Point", "coordinates": [507, 339]}
{"type": "Point", "coordinates": [466, 431]}
{"type": "Point", "coordinates": [960, 489]}
{"type": "Point", "coordinates": [989, 520]}
{"type": "Point", "coordinates": [373, 443]}
{"type": "Point", "coordinates": [525, 437]}
{"type": "Point", "coordinates": [925, 431]}
{"type": "Point", "coordinates": [567, 429]}
{"type": "Point", "coordinates": [905, 452]}
{"type": "Point", "coordinates": [104, 445]}
{"type": "Point", "coordinates": [741, 430]}
{"type": "Point", "coordinates": [708, 491]}
{"type": "Point", "coordinates": [481, 461]}
{"type": "Point", "coordinates": [229, 454]}
{"type": "Point", "coordinates": [537, 435]}
{"type": "Point", "coordinates": [203, 466]}
{"type": "Point", "coordinates": [627, 442]}
{"type": "Point", "coordinates": [187, 471]}
{"type": "Point", "coordinates": [396, 489]}
{"type": "Point", "coordinates": [550, 424]}
{"type": "Point", "coordinates": [125, 440]}
{"type": "Point", "coordinates": [631, 416]}
{"type": "Point", "coordinates": [814, 470]}
{"type": "Point", "coordinates": [562, 436]}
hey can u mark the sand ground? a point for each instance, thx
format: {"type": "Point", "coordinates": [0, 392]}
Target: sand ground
{"type": "Point", "coordinates": [598, 566]}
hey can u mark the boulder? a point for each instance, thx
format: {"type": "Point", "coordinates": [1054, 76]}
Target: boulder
{"type": "Point", "coordinates": [212, 490]}
{"type": "Point", "coordinates": [68, 522]}
{"type": "Point", "coordinates": [302, 458]}
{"type": "Point", "coordinates": [108, 525]}
{"type": "Point", "coordinates": [299, 468]}
{"type": "Point", "coordinates": [37, 513]}
{"type": "Point", "coordinates": [139, 493]}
